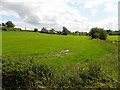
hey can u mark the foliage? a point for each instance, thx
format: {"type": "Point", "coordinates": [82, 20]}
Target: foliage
{"type": "Point", "coordinates": [23, 73]}
{"type": "Point", "coordinates": [10, 24]}
{"type": "Point", "coordinates": [110, 32]}
{"type": "Point", "coordinates": [35, 30]}
{"type": "Point", "coordinates": [15, 72]}
{"type": "Point", "coordinates": [103, 35]}
{"type": "Point", "coordinates": [20, 73]}
{"type": "Point", "coordinates": [98, 33]}
{"type": "Point", "coordinates": [3, 24]}
{"type": "Point", "coordinates": [11, 29]}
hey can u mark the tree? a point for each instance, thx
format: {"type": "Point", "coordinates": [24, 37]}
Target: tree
{"type": "Point", "coordinates": [35, 30]}
{"type": "Point", "coordinates": [65, 31]}
{"type": "Point", "coordinates": [103, 35]}
{"type": "Point", "coordinates": [3, 24]}
{"type": "Point", "coordinates": [98, 33]}
{"type": "Point", "coordinates": [108, 31]}
{"type": "Point", "coordinates": [10, 24]}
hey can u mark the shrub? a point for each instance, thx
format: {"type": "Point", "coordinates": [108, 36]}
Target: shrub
{"type": "Point", "coordinates": [43, 76]}
{"type": "Point", "coordinates": [15, 72]}
{"type": "Point", "coordinates": [35, 30]}
{"type": "Point", "coordinates": [21, 73]}
{"type": "Point", "coordinates": [98, 33]}
{"type": "Point", "coordinates": [11, 29]}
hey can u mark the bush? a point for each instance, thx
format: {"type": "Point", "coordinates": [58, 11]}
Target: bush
{"type": "Point", "coordinates": [98, 33]}
{"type": "Point", "coordinates": [43, 76]}
{"type": "Point", "coordinates": [15, 72]}
{"type": "Point", "coordinates": [35, 30]}
{"type": "Point", "coordinates": [91, 77]}
{"type": "Point", "coordinates": [23, 74]}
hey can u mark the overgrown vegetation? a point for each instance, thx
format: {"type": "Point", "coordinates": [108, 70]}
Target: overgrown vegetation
{"type": "Point", "coordinates": [23, 73]}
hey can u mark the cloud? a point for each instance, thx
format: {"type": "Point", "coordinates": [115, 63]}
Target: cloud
{"type": "Point", "coordinates": [107, 23]}
{"type": "Point", "coordinates": [57, 13]}
{"type": "Point", "coordinates": [24, 12]}
{"type": "Point", "coordinates": [109, 6]}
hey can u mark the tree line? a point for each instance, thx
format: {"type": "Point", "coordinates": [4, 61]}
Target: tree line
{"type": "Point", "coordinates": [9, 26]}
{"type": "Point", "coordinates": [94, 32]}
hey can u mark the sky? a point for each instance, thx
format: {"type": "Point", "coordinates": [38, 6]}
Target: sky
{"type": "Point", "coordinates": [76, 15]}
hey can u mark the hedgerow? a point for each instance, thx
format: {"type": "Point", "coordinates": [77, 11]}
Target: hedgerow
{"type": "Point", "coordinates": [22, 73]}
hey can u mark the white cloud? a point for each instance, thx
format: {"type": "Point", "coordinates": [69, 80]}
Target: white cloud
{"type": "Point", "coordinates": [57, 13]}
{"type": "Point", "coordinates": [108, 23]}
{"type": "Point", "coordinates": [110, 6]}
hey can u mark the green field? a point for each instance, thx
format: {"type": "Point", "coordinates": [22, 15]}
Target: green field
{"type": "Point", "coordinates": [60, 50]}
{"type": "Point", "coordinates": [113, 38]}
{"type": "Point", "coordinates": [51, 49]}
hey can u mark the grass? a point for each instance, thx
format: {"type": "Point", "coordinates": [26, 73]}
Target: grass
{"type": "Point", "coordinates": [51, 50]}
{"type": "Point", "coordinates": [50, 46]}
{"type": "Point", "coordinates": [113, 38]}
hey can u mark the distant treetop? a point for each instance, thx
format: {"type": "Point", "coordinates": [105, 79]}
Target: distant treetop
{"type": "Point", "coordinates": [10, 24]}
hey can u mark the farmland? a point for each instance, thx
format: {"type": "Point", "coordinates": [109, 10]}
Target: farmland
{"type": "Point", "coordinates": [59, 51]}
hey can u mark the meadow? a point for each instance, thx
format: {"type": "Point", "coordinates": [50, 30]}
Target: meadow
{"type": "Point", "coordinates": [61, 52]}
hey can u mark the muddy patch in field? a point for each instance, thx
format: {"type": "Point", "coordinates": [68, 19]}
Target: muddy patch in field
{"type": "Point", "coordinates": [63, 52]}
{"type": "Point", "coordinates": [57, 53]}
